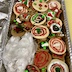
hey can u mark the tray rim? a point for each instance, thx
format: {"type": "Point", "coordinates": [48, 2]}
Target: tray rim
{"type": "Point", "coordinates": [67, 31]}
{"type": "Point", "coordinates": [5, 38]}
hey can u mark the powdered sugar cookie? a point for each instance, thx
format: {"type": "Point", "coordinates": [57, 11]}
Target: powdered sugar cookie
{"type": "Point", "coordinates": [40, 6]}
{"type": "Point", "coordinates": [40, 32]}
{"type": "Point", "coordinates": [42, 59]}
{"type": "Point", "coordinates": [57, 46]}
{"type": "Point", "coordinates": [19, 8]}
{"type": "Point", "coordinates": [57, 65]}
{"type": "Point", "coordinates": [38, 19]}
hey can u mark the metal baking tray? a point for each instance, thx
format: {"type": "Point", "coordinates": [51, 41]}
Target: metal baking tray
{"type": "Point", "coordinates": [66, 32]}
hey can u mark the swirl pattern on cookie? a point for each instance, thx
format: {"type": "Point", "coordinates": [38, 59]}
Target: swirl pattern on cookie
{"type": "Point", "coordinates": [19, 8]}
{"type": "Point", "coordinates": [32, 68]}
{"type": "Point", "coordinates": [57, 20]}
{"type": "Point", "coordinates": [40, 32]}
{"type": "Point", "coordinates": [42, 59]}
{"type": "Point", "coordinates": [38, 19]}
{"type": "Point", "coordinates": [54, 4]}
{"type": "Point", "coordinates": [40, 6]}
{"type": "Point", "coordinates": [57, 65]}
{"type": "Point", "coordinates": [17, 31]}
{"type": "Point", "coordinates": [57, 46]}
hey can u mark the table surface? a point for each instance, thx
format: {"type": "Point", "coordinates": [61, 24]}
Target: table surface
{"type": "Point", "coordinates": [68, 4]}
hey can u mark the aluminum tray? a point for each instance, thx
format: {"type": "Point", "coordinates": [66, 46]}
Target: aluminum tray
{"type": "Point", "coordinates": [65, 30]}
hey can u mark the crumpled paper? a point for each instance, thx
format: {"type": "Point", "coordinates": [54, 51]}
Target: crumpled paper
{"type": "Point", "coordinates": [19, 53]}
{"type": "Point", "coordinates": [2, 0]}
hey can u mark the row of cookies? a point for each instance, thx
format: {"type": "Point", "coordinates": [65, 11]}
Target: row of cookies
{"type": "Point", "coordinates": [41, 18]}
{"type": "Point", "coordinates": [43, 62]}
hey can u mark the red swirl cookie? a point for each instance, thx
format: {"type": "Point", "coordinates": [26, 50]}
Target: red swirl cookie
{"type": "Point", "coordinates": [42, 59]}
{"type": "Point", "coordinates": [17, 31]}
{"type": "Point", "coordinates": [32, 68]}
{"type": "Point", "coordinates": [26, 2]}
{"type": "Point", "coordinates": [19, 8]}
{"type": "Point", "coordinates": [57, 65]}
{"type": "Point", "coordinates": [57, 46]}
{"type": "Point", "coordinates": [54, 4]}
{"type": "Point", "coordinates": [57, 20]}
{"type": "Point", "coordinates": [40, 32]}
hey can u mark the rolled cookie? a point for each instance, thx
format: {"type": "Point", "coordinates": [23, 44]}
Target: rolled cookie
{"type": "Point", "coordinates": [57, 65]}
{"type": "Point", "coordinates": [40, 32]}
{"type": "Point", "coordinates": [38, 19]}
{"type": "Point", "coordinates": [42, 59]}
{"type": "Point", "coordinates": [57, 20]}
{"type": "Point", "coordinates": [17, 31]}
{"type": "Point", "coordinates": [26, 2]}
{"type": "Point", "coordinates": [32, 68]}
{"type": "Point", "coordinates": [19, 8]}
{"type": "Point", "coordinates": [57, 46]}
{"type": "Point", "coordinates": [54, 4]}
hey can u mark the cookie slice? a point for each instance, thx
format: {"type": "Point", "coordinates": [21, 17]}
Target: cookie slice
{"type": "Point", "coordinates": [32, 68]}
{"type": "Point", "coordinates": [54, 4]}
{"type": "Point", "coordinates": [57, 20]}
{"type": "Point", "coordinates": [40, 32]}
{"type": "Point", "coordinates": [61, 57]}
{"type": "Point", "coordinates": [57, 65]}
{"type": "Point", "coordinates": [19, 8]}
{"type": "Point", "coordinates": [42, 59]}
{"type": "Point", "coordinates": [17, 31]}
{"type": "Point", "coordinates": [38, 19]}
{"type": "Point", "coordinates": [40, 5]}
{"type": "Point", "coordinates": [57, 46]}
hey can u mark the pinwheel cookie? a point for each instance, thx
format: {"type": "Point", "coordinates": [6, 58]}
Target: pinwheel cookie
{"type": "Point", "coordinates": [38, 19]}
{"type": "Point", "coordinates": [57, 46]}
{"type": "Point", "coordinates": [55, 6]}
{"type": "Point", "coordinates": [57, 65]}
{"type": "Point", "coordinates": [40, 32]}
{"type": "Point", "coordinates": [19, 8]}
{"type": "Point", "coordinates": [42, 59]}
{"type": "Point", "coordinates": [32, 68]}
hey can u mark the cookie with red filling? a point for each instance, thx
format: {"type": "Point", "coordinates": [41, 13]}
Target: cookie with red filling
{"type": "Point", "coordinates": [42, 58]}
{"type": "Point", "coordinates": [57, 46]}
{"type": "Point", "coordinates": [40, 32]}
{"type": "Point", "coordinates": [57, 20]}
{"type": "Point", "coordinates": [17, 31]}
{"type": "Point", "coordinates": [24, 17]}
{"type": "Point", "coordinates": [57, 65]}
{"type": "Point", "coordinates": [27, 25]}
{"type": "Point", "coordinates": [61, 57]}
{"type": "Point", "coordinates": [55, 6]}
{"type": "Point", "coordinates": [19, 8]}
{"type": "Point", "coordinates": [32, 68]}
